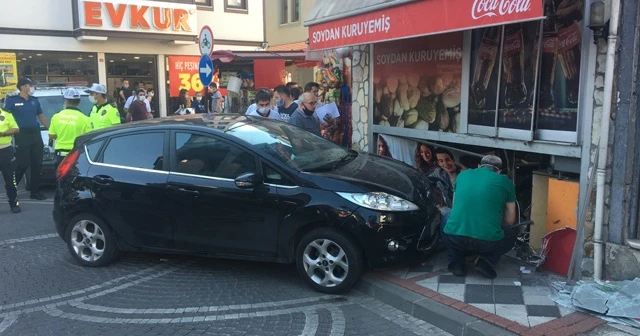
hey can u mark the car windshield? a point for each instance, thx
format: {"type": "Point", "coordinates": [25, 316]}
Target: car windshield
{"type": "Point", "coordinates": [291, 145]}
{"type": "Point", "coordinates": [53, 104]}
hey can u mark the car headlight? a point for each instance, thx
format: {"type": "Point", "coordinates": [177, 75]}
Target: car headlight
{"type": "Point", "coordinates": [379, 201]}
{"type": "Point", "coordinates": [48, 153]}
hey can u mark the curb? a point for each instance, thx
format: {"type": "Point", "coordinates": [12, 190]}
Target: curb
{"type": "Point", "coordinates": [442, 316]}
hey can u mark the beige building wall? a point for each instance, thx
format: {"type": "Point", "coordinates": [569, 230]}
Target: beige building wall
{"type": "Point", "coordinates": [290, 32]}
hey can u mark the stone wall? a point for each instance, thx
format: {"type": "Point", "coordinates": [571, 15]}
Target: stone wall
{"type": "Point", "coordinates": [360, 98]}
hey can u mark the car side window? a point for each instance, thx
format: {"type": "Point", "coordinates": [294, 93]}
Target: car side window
{"type": "Point", "coordinates": [142, 150]}
{"type": "Point", "coordinates": [273, 177]}
{"type": "Point", "coordinates": [208, 156]}
{"type": "Point", "coordinates": [93, 149]}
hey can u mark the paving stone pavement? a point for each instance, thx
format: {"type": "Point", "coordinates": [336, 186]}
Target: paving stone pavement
{"type": "Point", "coordinates": [44, 292]}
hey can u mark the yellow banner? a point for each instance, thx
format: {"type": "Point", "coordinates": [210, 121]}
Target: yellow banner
{"type": "Point", "coordinates": [8, 73]}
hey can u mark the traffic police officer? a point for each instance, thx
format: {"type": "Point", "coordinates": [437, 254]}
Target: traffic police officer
{"type": "Point", "coordinates": [102, 114]}
{"type": "Point", "coordinates": [8, 127]}
{"type": "Point", "coordinates": [68, 124]}
{"type": "Point", "coordinates": [26, 111]}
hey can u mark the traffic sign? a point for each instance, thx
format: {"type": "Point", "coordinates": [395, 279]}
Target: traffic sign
{"type": "Point", "coordinates": [205, 69]}
{"type": "Point", "coordinates": [205, 41]}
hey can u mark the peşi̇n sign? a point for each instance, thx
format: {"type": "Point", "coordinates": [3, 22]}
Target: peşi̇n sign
{"type": "Point", "coordinates": [137, 16]}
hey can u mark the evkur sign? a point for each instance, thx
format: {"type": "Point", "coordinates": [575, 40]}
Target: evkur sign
{"type": "Point", "coordinates": [137, 16]}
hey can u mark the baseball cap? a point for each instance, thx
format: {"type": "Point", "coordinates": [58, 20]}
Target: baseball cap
{"type": "Point", "coordinates": [97, 88]}
{"type": "Point", "coordinates": [72, 93]}
{"type": "Point", "coordinates": [23, 81]}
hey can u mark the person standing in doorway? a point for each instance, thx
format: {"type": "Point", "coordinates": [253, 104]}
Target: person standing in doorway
{"type": "Point", "coordinates": [138, 109]}
{"type": "Point", "coordinates": [8, 128]}
{"type": "Point", "coordinates": [68, 124]}
{"type": "Point", "coordinates": [102, 114]}
{"type": "Point", "coordinates": [26, 111]}
{"type": "Point", "coordinates": [216, 99]}
{"type": "Point", "coordinates": [123, 94]}
{"type": "Point", "coordinates": [286, 105]}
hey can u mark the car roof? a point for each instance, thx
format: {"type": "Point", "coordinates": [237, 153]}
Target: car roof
{"type": "Point", "coordinates": [221, 122]}
{"type": "Point", "coordinates": [56, 91]}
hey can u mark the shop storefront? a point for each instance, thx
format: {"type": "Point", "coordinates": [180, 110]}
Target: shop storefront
{"type": "Point", "coordinates": [84, 41]}
{"type": "Point", "coordinates": [511, 78]}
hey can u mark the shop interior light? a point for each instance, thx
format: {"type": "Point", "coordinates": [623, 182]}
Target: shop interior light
{"type": "Point", "coordinates": [90, 56]}
{"type": "Point", "coordinates": [124, 59]}
{"type": "Point", "coordinates": [79, 58]}
{"type": "Point", "coordinates": [136, 57]}
{"type": "Point", "coordinates": [38, 54]}
{"type": "Point", "coordinates": [110, 61]}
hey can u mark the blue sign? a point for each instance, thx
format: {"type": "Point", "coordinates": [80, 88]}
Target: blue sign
{"type": "Point", "coordinates": [205, 69]}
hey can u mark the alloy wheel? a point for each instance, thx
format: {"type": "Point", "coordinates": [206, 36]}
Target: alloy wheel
{"type": "Point", "coordinates": [87, 240]}
{"type": "Point", "coordinates": [325, 263]}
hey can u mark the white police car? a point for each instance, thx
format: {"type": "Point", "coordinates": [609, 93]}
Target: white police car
{"type": "Point", "coordinates": [50, 96]}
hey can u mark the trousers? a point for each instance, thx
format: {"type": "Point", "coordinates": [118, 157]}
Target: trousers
{"type": "Point", "coordinates": [459, 247]}
{"type": "Point", "coordinates": [29, 150]}
{"type": "Point", "coordinates": [8, 167]}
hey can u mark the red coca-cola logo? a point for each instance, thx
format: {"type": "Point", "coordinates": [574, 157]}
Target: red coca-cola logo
{"type": "Point", "coordinates": [491, 8]}
{"type": "Point", "coordinates": [512, 46]}
{"type": "Point", "coordinates": [569, 38]}
{"type": "Point", "coordinates": [487, 49]}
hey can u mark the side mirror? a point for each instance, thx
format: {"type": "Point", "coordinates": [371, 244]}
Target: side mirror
{"type": "Point", "coordinates": [248, 181]}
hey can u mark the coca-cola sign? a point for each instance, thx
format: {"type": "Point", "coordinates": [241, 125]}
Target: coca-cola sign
{"type": "Point", "coordinates": [490, 8]}
{"type": "Point", "coordinates": [424, 18]}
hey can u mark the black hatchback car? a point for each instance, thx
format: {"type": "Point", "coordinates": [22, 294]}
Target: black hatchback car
{"type": "Point", "coordinates": [242, 187]}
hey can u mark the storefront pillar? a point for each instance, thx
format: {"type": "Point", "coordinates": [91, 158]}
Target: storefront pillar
{"type": "Point", "coordinates": [162, 87]}
{"type": "Point", "coordinates": [102, 69]}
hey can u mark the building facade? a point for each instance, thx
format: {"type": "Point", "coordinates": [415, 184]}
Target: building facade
{"type": "Point", "coordinates": [285, 31]}
{"type": "Point", "coordinates": [110, 40]}
{"type": "Point", "coordinates": [527, 84]}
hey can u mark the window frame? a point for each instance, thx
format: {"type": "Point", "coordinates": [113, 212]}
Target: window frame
{"type": "Point", "coordinates": [99, 159]}
{"type": "Point", "coordinates": [235, 9]}
{"type": "Point", "coordinates": [173, 157]}
{"type": "Point", "coordinates": [284, 9]}
{"type": "Point", "coordinates": [206, 6]}
{"type": "Point", "coordinates": [294, 11]}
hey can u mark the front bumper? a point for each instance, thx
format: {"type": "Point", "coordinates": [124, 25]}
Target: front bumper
{"type": "Point", "coordinates": [411, 235]}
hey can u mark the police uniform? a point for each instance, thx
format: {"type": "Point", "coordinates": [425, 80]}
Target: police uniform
{"type": "Point", "coordinates": [67, 125]}
{"type": "Point", "coordinates": [29, 146]}
{"type": "Point", "coordinates": [105, 115]}
{"type": "Point", "coordinates": [7, 160]}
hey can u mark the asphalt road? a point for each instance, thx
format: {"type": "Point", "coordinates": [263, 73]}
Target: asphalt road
{"type": "Point", "coordinates": [44, 292]}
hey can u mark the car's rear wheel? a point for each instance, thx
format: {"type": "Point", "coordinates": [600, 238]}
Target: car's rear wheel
{"type": "Point", "coordinates": [90, 241]}
{"type": "Point", "coordinates": [329, 261]}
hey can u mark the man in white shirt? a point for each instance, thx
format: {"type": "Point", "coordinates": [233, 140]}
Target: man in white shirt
{"type": "Point", "coordinates": [263, 107]}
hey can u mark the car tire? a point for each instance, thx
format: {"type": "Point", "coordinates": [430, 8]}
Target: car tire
{"type": "Point", "coordinates": [90, 241]}
{"type": "Point", "coordinates": [329, 261]}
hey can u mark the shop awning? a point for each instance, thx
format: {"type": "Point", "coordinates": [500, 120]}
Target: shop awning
{"type": "Point", "coordinates": [339, 23]}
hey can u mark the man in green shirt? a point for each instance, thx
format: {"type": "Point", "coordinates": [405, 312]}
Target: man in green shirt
{"type": "Point", "coordinates": [68, 124]}
{"type": "Point", "coordinates": [483, 201]}
{"type": "Point", "coordinates": [103, 114]}
{"type": "Point", "coordinates": [8, 128]}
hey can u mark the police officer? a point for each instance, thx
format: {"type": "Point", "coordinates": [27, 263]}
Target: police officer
{"type": "Point", "coordinates": [8, 127]}
{"type": "Point", "coordinates": [102, 114]}
{"type": "Point", "coordinates": [68, 124]}
{"type": "Point", "coordinates": [26, 111]}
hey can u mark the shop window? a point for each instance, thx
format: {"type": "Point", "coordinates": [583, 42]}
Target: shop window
{"type": "Point", "coordinates": [236, 6]}
{"type": "Point", "coordinates": [517, 90]}
{"type": "Point", "coordinates": [53, 67]}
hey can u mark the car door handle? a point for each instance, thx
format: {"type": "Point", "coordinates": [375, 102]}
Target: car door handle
{"type": "Point", "coordinates": [188, 191]}
{"type": "Point", "coordinates": [103, 180]}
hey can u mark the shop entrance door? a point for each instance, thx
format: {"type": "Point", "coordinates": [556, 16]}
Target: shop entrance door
{"type": "Point", "coordinates": [135, 69]}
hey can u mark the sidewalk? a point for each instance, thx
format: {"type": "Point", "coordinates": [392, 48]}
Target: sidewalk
{"type": "Point", "coordinates": [512, 304]}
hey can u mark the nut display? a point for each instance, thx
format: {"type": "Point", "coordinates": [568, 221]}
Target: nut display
{"type": "Point", "coordinates": [425, 102]}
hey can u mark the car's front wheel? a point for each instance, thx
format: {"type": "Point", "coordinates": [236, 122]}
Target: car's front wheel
{"type": "Point", "coordinates": [90, 241]}
{"type": "Point", "coordinates": [329, 261]}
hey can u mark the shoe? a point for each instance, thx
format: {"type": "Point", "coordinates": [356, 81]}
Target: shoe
{"type": "Point", "coordinates": [15, 208]}
{"type": "Point", "coordinates": [457, 269]}
{"type": "Point", "coordinates": [484, 268]}
{"type": "Point", "coordinates": [38, 196]}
